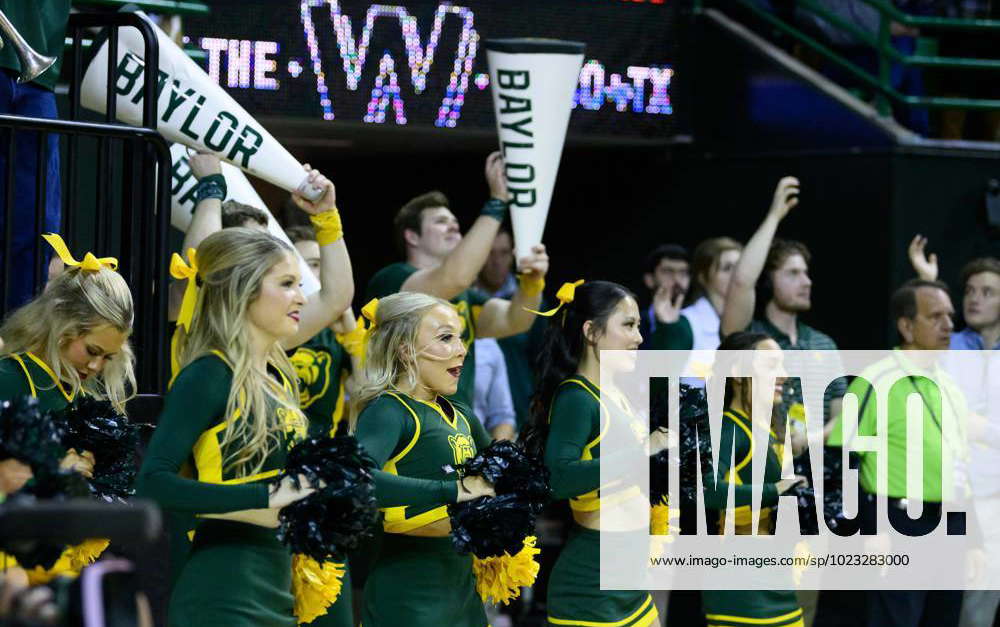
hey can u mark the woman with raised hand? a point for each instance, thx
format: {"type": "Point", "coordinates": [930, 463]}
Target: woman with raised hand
{"type": "Point", "coordinates": [413, 363]}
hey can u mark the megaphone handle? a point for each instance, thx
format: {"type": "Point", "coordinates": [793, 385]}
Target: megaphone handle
{"type": "Point", "coordinates": [309, 191]}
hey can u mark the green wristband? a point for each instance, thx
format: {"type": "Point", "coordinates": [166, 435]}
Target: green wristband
{"type": "Point", "coordinates": [496, 208]}
{"type": "Point", "coordinates": [211, 186]}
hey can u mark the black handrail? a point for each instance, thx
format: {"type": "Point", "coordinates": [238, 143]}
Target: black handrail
{"type": "Point", "coordinates": [144, 266]}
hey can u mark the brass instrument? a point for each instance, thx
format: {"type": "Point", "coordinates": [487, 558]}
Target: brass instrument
{"type": "Point", "coordinates": [33, 64]}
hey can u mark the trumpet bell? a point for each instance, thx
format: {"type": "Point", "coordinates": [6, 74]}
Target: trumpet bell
{"type": "Point", "coordinates": [33, 64]}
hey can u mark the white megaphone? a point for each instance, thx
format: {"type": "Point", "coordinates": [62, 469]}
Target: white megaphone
{"type": "Point", "coordinates": [182, 203]}
{"type": "Point", "coordinates": [191, 109]}
{"type": "Point", "coordinates": [533, 82]}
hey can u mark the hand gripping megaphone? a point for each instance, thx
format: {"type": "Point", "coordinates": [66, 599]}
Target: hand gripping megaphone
{"type": "Point", "coordinates": [182, 203]}
{"type": "Point", "coordinates": [191, 109]}
{"type": "Point", "coordinates": [533, 81]}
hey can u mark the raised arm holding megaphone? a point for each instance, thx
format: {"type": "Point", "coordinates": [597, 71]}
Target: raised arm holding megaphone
{"type": "Point", "coordinates": [532, 81]}
{"type": "Point", "coordinates": [336, 276]}
{"type": "Point", "coordinates": [191, 109]}
{"type": "Point", "coordinates": [184, 183]}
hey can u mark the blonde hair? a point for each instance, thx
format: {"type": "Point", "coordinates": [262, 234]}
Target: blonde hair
{"type": "Point", "coordinates": [391, 355]}
{"type": "Point", "coordinates": [232, 264]}
{"type": "Point", "coordinates": [72, 305]}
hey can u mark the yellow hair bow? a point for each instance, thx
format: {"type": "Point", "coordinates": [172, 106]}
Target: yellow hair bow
{"type": "Point", "coordinates": [565, 295]}
{"type": "Point", "coordinates": [186, 271]}
{"type": "Point", "coordinates": [90, 261]}
{"type": "Point", "coordinates": [368, 312]}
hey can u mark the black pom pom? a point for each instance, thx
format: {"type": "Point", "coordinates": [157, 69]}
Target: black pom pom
{"type": "Point", "coordinates": [693, 411]}
{"type": "Point", "coordinates": [489, 526]}
{"type": "Point", "coordinates": [93, 425]}
{"type": "Point", "coordinates": [334, 519]}
{"type": "Point", "coordinates": [31, 436]}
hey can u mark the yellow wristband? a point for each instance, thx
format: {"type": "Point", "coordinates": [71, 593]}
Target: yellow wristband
{"type": "Point", "coordinates": [531, 285]}
{"type": "Point", "coordinates": [328, 226]}
{"type": "Point", "coordinates": [354, 340]}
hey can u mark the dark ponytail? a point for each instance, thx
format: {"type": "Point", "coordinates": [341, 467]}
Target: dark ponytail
{"type": "Point", "coordinates": [563, 347]}
{"type": "Point", "coordinates": [741, 341]}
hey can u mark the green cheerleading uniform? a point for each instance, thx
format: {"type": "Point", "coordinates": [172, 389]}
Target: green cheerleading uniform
{"type": "Point", "coordinates": [739, 608]}
{"type": "Point", "coordinates": [322, 365]}
{"type": "Point", "coordinates": [468, 304]}
{"type": "Point", "coordinates": [418, 581]}
{"type": "Point", "coordinates": [237, 574]}
{"type": "Point", "coordinates": [25, 374]}
{"type": "Point", "coordinates": [572, 454]}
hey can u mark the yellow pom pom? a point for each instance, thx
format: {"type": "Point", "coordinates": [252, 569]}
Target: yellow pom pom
{"type": "Point", "coordinates": [501, 578]}
{"type": "Point", "coordinates": [659, 527]}
{"type": "Point", "coordinates": [86, 553]}
{"type": "Point", "coordinates": [315, 586]}
{"type": "Point", "coordinates": [71, 562]}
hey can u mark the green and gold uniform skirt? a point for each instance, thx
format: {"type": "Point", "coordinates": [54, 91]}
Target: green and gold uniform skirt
{"type": "Point", "coordinates": [421, 582]}
{"type": "Point", "coordinates": [237, 575]}
{"type": "Point", "coordinates": [746, 608]}
{"type": "Point", "coordinates": [757, 608]}
{"type": "Point", "coordinates": [575, 595]}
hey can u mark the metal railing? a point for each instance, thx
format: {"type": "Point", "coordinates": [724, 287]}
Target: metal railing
{"type": "Point", "coordinates": [130, 180]}
{"type": "Point", "coordinates": [886, 53]}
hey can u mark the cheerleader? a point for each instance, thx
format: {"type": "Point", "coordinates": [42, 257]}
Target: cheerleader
{"type": "Point", "coordinates": [414, 360]}
{"type": "Point", "coordinates": [567, 427]}
{"type": "Point", "coordinates": [731, 608]}
{"type": "Point", "coordinates": [72, 339]}
{"type": "Point", "coordinates": [230, 417]}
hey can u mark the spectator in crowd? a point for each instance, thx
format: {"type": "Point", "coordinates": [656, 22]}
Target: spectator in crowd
{"type": "Point", "coordinates": [497, 280]}
{"type": "Point", "coordinates": [980, 301]}
{"type": "Point", "coordinates": [667, 277]}
{"type": "Point", "coordinates": [923, 313]}
{"type": "Point", "coordinates": [441, 262]}
{"type": "Point", "coordinates": [698, 325]}
{"type": "Point", "coordinates": [978, 375]}
{"type": "Point", "coordinates": [42, 23]}
{"type": "Point", "coordinates": [785, 268]}
{"type": "Point", "coordinates": [493, 404]}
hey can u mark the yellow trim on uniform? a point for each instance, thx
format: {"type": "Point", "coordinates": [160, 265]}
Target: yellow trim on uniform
{"type": "Point", "coordinates": [27, 375]}
{"type": "Point", "coordinates": [743, 514]}
{"type": "Point", "coordinates": [207, 451]}
{"type": "Point", "coordinates": [732, 415]}
{"type": "Point", "coordinates": [591, 501]}
{"type": "Point", "coordinates": [453, 423]}
{"type": "Point", "coordinates": [643, 619]}
{"type": "Point", "coordinates": [756, 621]}
{"type": "Point", "coordinates": [338, 410]}
{"type": "Point", "coordinates": [395, 517]}
{"type": "Point", "coordinates": [44, 366]}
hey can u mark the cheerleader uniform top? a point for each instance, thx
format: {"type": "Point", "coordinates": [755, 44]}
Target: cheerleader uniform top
{"type": "Point", "coordinates": [185, 464]}
{"type": "Point", "coordinates": [412, 441]}
{"type": "Point", "coordinates": [25, 374]}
